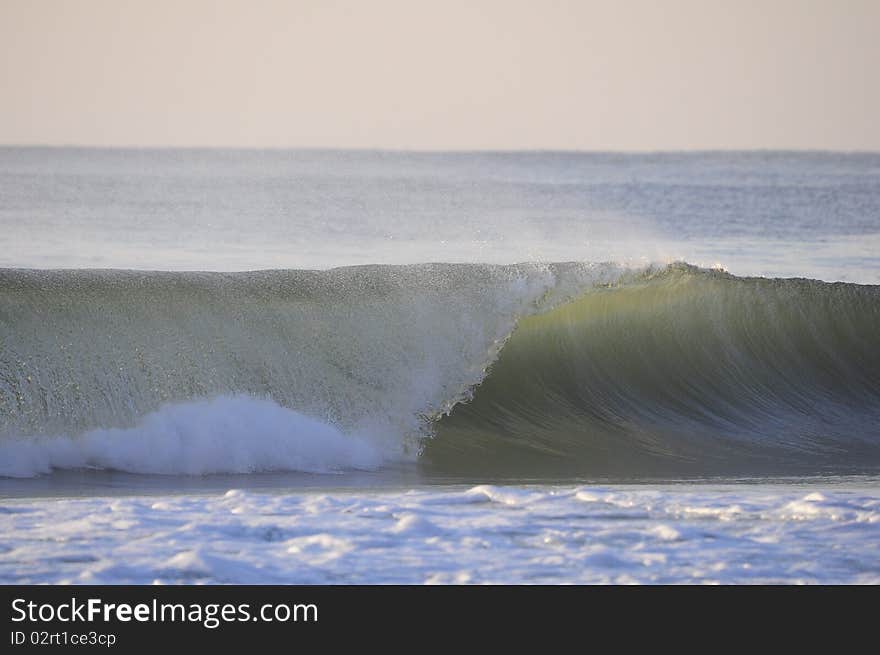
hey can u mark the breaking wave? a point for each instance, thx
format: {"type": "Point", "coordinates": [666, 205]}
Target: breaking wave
{"type": "Point", "coordinates": [569, 369]}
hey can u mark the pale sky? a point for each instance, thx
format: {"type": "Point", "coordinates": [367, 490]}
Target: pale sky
{"type": "Point", "coordinates": [444, 74]}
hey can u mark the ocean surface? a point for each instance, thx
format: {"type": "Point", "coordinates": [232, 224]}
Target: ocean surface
{"type": "Point", "coordinates": [381, 367]}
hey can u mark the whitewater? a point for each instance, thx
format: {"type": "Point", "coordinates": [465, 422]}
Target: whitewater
{"type": "Point", "coordinates": [323, 367]}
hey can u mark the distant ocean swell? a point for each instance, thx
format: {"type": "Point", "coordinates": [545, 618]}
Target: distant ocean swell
{"type": "Point", "coordinates": [564, 369]}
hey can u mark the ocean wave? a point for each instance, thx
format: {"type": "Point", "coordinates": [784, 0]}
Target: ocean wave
{"type": "Point", "coordinates": [543, 369]}
{"type": "Point", "coordinates": [683, 371]}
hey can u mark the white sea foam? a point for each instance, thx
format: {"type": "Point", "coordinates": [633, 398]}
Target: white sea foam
{"type": "Point", "coordinates": [547, 534]}
{"type": "Point", "coordinates": [230, 434]}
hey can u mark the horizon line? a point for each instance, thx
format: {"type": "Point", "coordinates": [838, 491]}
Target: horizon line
{"type": "Point", "coordinates": [429, 151]}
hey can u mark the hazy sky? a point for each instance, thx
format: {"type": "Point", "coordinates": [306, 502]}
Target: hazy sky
{"type": "Point", "coordinates": [445, 74]}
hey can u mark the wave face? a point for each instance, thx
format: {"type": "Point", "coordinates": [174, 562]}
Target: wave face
{"type": "Point", "coordinates": [686, 371]}
{"type": "Point", "coordinates": [371, 352]}
{"type": "Point", "coordinates": [570, 369]}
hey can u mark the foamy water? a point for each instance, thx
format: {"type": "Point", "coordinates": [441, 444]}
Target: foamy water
{"type": "Point", "coordinates": [825, 532]}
